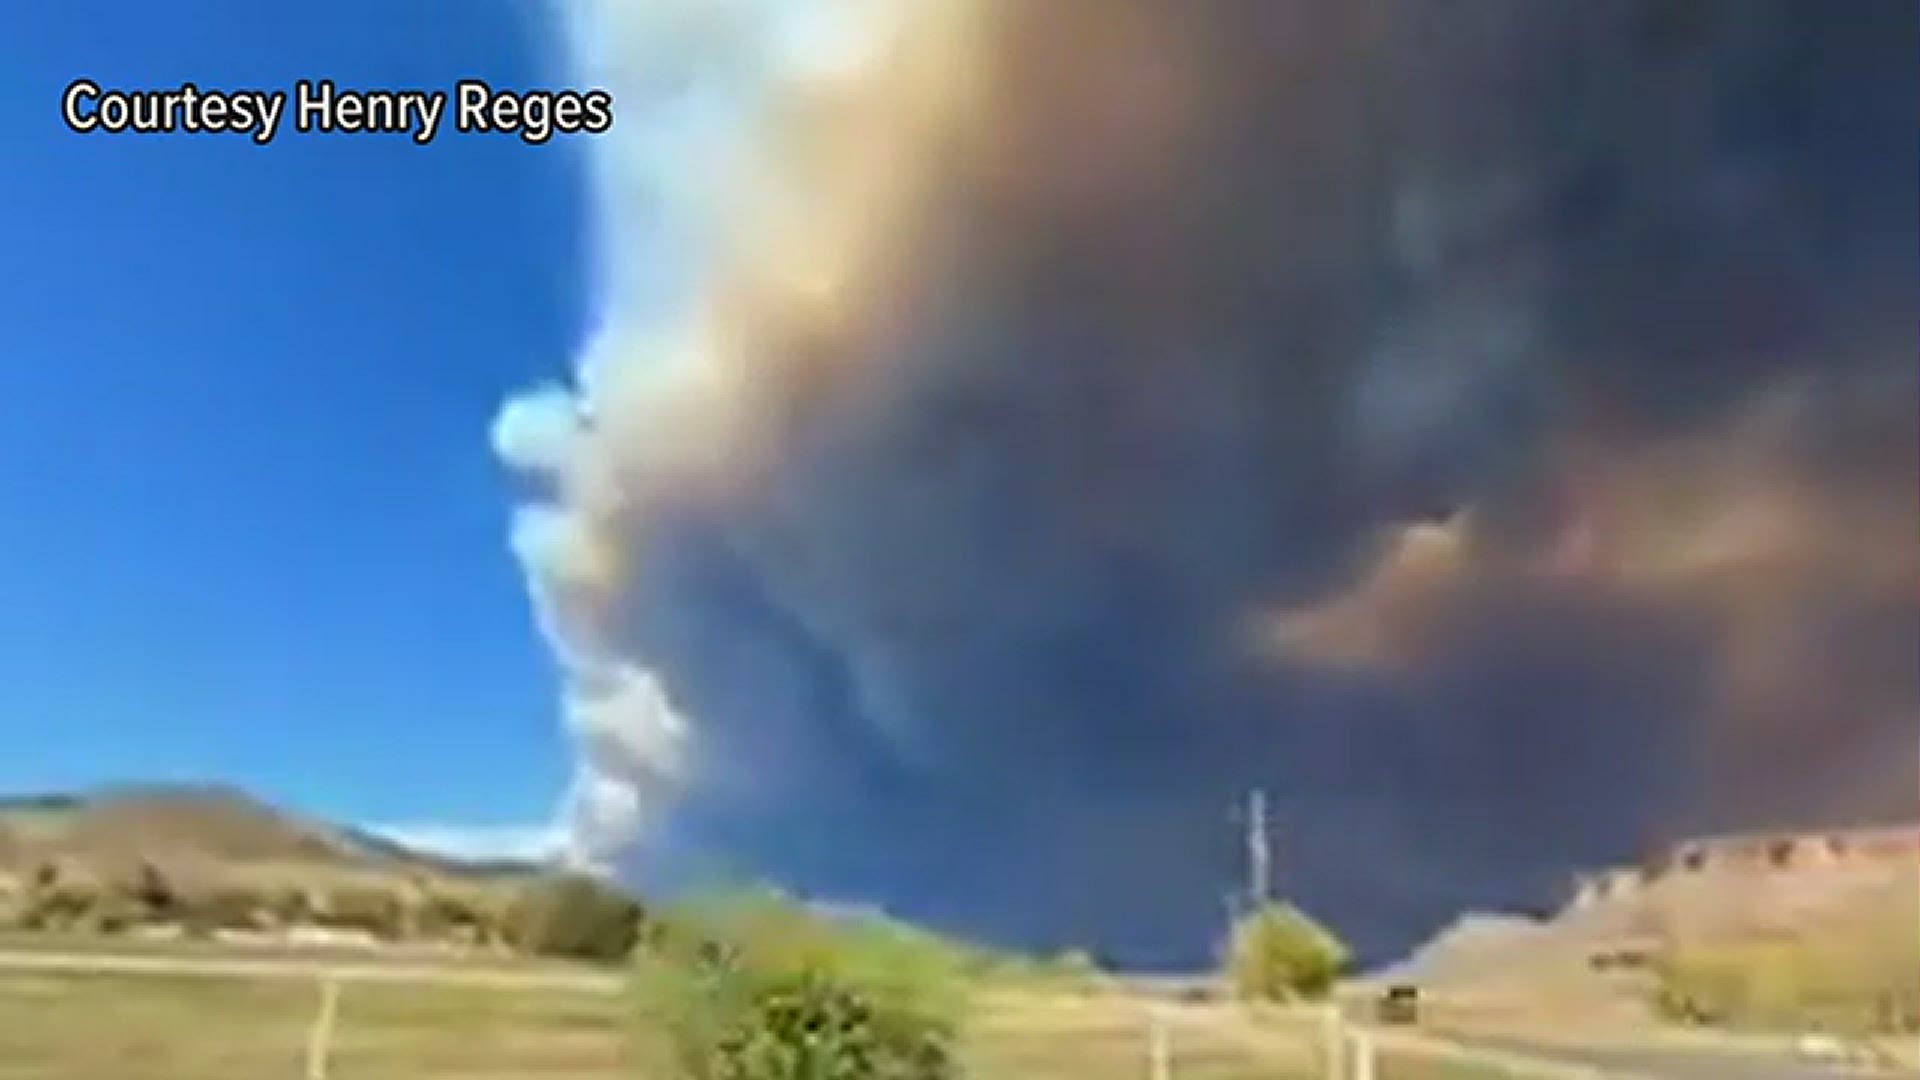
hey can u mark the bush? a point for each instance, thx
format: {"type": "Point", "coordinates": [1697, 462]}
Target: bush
{"type": "Point", "coordinates": [577, 917]}
{"type": "Point", "coordinates": [289, 905]}
{"type": "Point", "coordinates": [1277, 953]}
{"type": "Point", "coordinates": [223, 907]}
{"type": "Point", "coordinates": [444, 915]}
{"type": "Point", "coordinates": [1074, 971]}
{"type": "Point", "coordinates": [153, 892]}
{"type": "Point", "coordinates": [809, 1024]}
{"type": "Point", "coordinates": [765, 991]}
{"type": "Point", "coordinates": [113, 912]}
{"type": "Point", "coordinates": [64, 903]}
{"type": "Point", "coordinates": [373, 909]}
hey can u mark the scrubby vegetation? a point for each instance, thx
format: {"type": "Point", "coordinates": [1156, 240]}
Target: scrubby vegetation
{"type": "Point", "coordinates": [576, 917]}
{"type": "Point", "coordinates": [1855, 971]}
{"type": "Point", "coordinates": [1278, 953]}
{"type": "Point", "coordinates": [1792, 984]}
{"type": "Point", "coordinates": [1072, 971]}
{"type": "Point", "coordinates": [198, 861]}
{"type": "Point", "coordinates": [61, 898]}
{"type": "Point", "coordinates": [759, 988]}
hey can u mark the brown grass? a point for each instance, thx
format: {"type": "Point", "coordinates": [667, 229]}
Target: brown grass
{"type": "Point", "coordinates": [1071, 1037]}
{"type": "Point", "coordinates": [127, 1027]}
{"type": "Point", "coordinates": [88, 1027]}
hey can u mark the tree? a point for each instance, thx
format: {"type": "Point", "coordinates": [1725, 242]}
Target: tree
{"type": "Point", "coordinates": [759, 988]}
{"type": "Point", "coordinates": [151, 890]}
{"type": "Point", "coordinates": [575, 916]}
{"type": "Point", "coordinates": [1278, 953]}
{"type": "Point", "coordinates": [370, 908]}
{"type": "Point", "coordinates": [459, 915]}
{"type": "Point", "coordinates": [224, 906]}
{"type": "Point", "coordinates": [113, 912]}
{"type": "Point", "coordinates": [289, 905]}
{"type": "Point", "coordinates": [60, 898]}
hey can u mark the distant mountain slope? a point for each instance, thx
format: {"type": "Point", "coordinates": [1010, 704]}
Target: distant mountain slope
{"type": "Point", "coordinates": [209, 827]}
{"type": "Point", "coordinates": [1842, 904]}
{"type": "Point", "coordinates": [396, 851]}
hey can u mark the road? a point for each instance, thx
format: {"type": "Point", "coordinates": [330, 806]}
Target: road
{"type": "Point", "coordinates": [1683, 1063]}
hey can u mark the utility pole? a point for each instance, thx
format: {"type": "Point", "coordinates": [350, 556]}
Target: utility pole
{"type": "Point", "coordinates": [1259, 851]}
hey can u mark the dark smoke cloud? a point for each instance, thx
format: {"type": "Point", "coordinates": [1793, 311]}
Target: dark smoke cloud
{"type": "Point", "coordinates": [1189, 311]}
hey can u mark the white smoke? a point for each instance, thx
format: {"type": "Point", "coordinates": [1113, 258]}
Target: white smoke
{"type": "Point", "coordinates": [661, 404]}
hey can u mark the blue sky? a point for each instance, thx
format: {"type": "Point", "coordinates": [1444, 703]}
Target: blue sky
{"type": "Point", "coordinates": [250, 529]}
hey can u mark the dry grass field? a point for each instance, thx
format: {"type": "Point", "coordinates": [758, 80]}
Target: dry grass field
{"type": "Point", "coordinates": [71, 1026]}
{"type": "Point", "coordinates": [62, 1026]}
{"type": "Point", "coordinates": [1067, 1037]}
{"type": "Point", "coordinates": [68, 1025]}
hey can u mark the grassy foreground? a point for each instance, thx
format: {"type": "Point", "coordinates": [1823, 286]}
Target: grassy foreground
{"type": "Point", "coordinates": [145, 1027]}
{"type": "Point", "coordinates": [87, 1027]}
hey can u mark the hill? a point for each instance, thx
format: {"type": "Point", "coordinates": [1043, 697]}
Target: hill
{"type": "Point", "coordinates": [207, 824]}
{"type": "Point", "coordinates": [215, 855]}
{"type": "Point", "coordinates": [1771, 928]}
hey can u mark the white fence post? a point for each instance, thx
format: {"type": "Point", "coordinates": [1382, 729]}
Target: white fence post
{"type": "Point", "coordinates": [1332, 1043]}
{"type": "Point", "coordinates": [320, 1036]}
{"type": "Point", "coordinates": [1361, 1046]}
{"type": "Point", "coordinates": [1159, 1052]}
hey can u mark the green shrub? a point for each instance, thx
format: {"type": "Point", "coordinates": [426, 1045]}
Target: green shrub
{"type": "Point", "coordinates": [575, 916]}
{"type": "Point", "coordinates": [1075, 963]}
{"type": "Point", "coordinates": [1277, 953]}
{"type": "Point", "coordinates": [762, 990]}
{"type": "Point", "coordinates": [1074, 971]}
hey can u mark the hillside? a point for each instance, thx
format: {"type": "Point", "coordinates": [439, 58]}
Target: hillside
{"type": "Point", "coordinates": [210, 825]}
{"type": "Point", "coordinates": [1824, 925]}
{"type": "Point", "coordinates": [183, 854]}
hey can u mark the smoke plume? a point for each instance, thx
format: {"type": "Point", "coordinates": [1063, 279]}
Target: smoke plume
{"type": "Point", "coordinates": [1016, 428]}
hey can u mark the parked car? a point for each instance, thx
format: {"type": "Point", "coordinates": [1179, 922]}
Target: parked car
{"type": "Point", "coordinates": [1399, 1005]}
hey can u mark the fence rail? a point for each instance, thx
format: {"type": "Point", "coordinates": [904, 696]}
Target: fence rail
{"type": "Point", "coordinates": [1331, 1047]}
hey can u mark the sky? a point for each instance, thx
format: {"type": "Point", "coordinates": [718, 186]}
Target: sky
{"type": "Point", "coordinates": [250, 529]}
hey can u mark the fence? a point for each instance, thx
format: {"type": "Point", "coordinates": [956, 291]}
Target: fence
{"type": "Point", "coordinates": [1329, 1047]}
{"type": "Point", "coordinates": [1067, 1037]}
